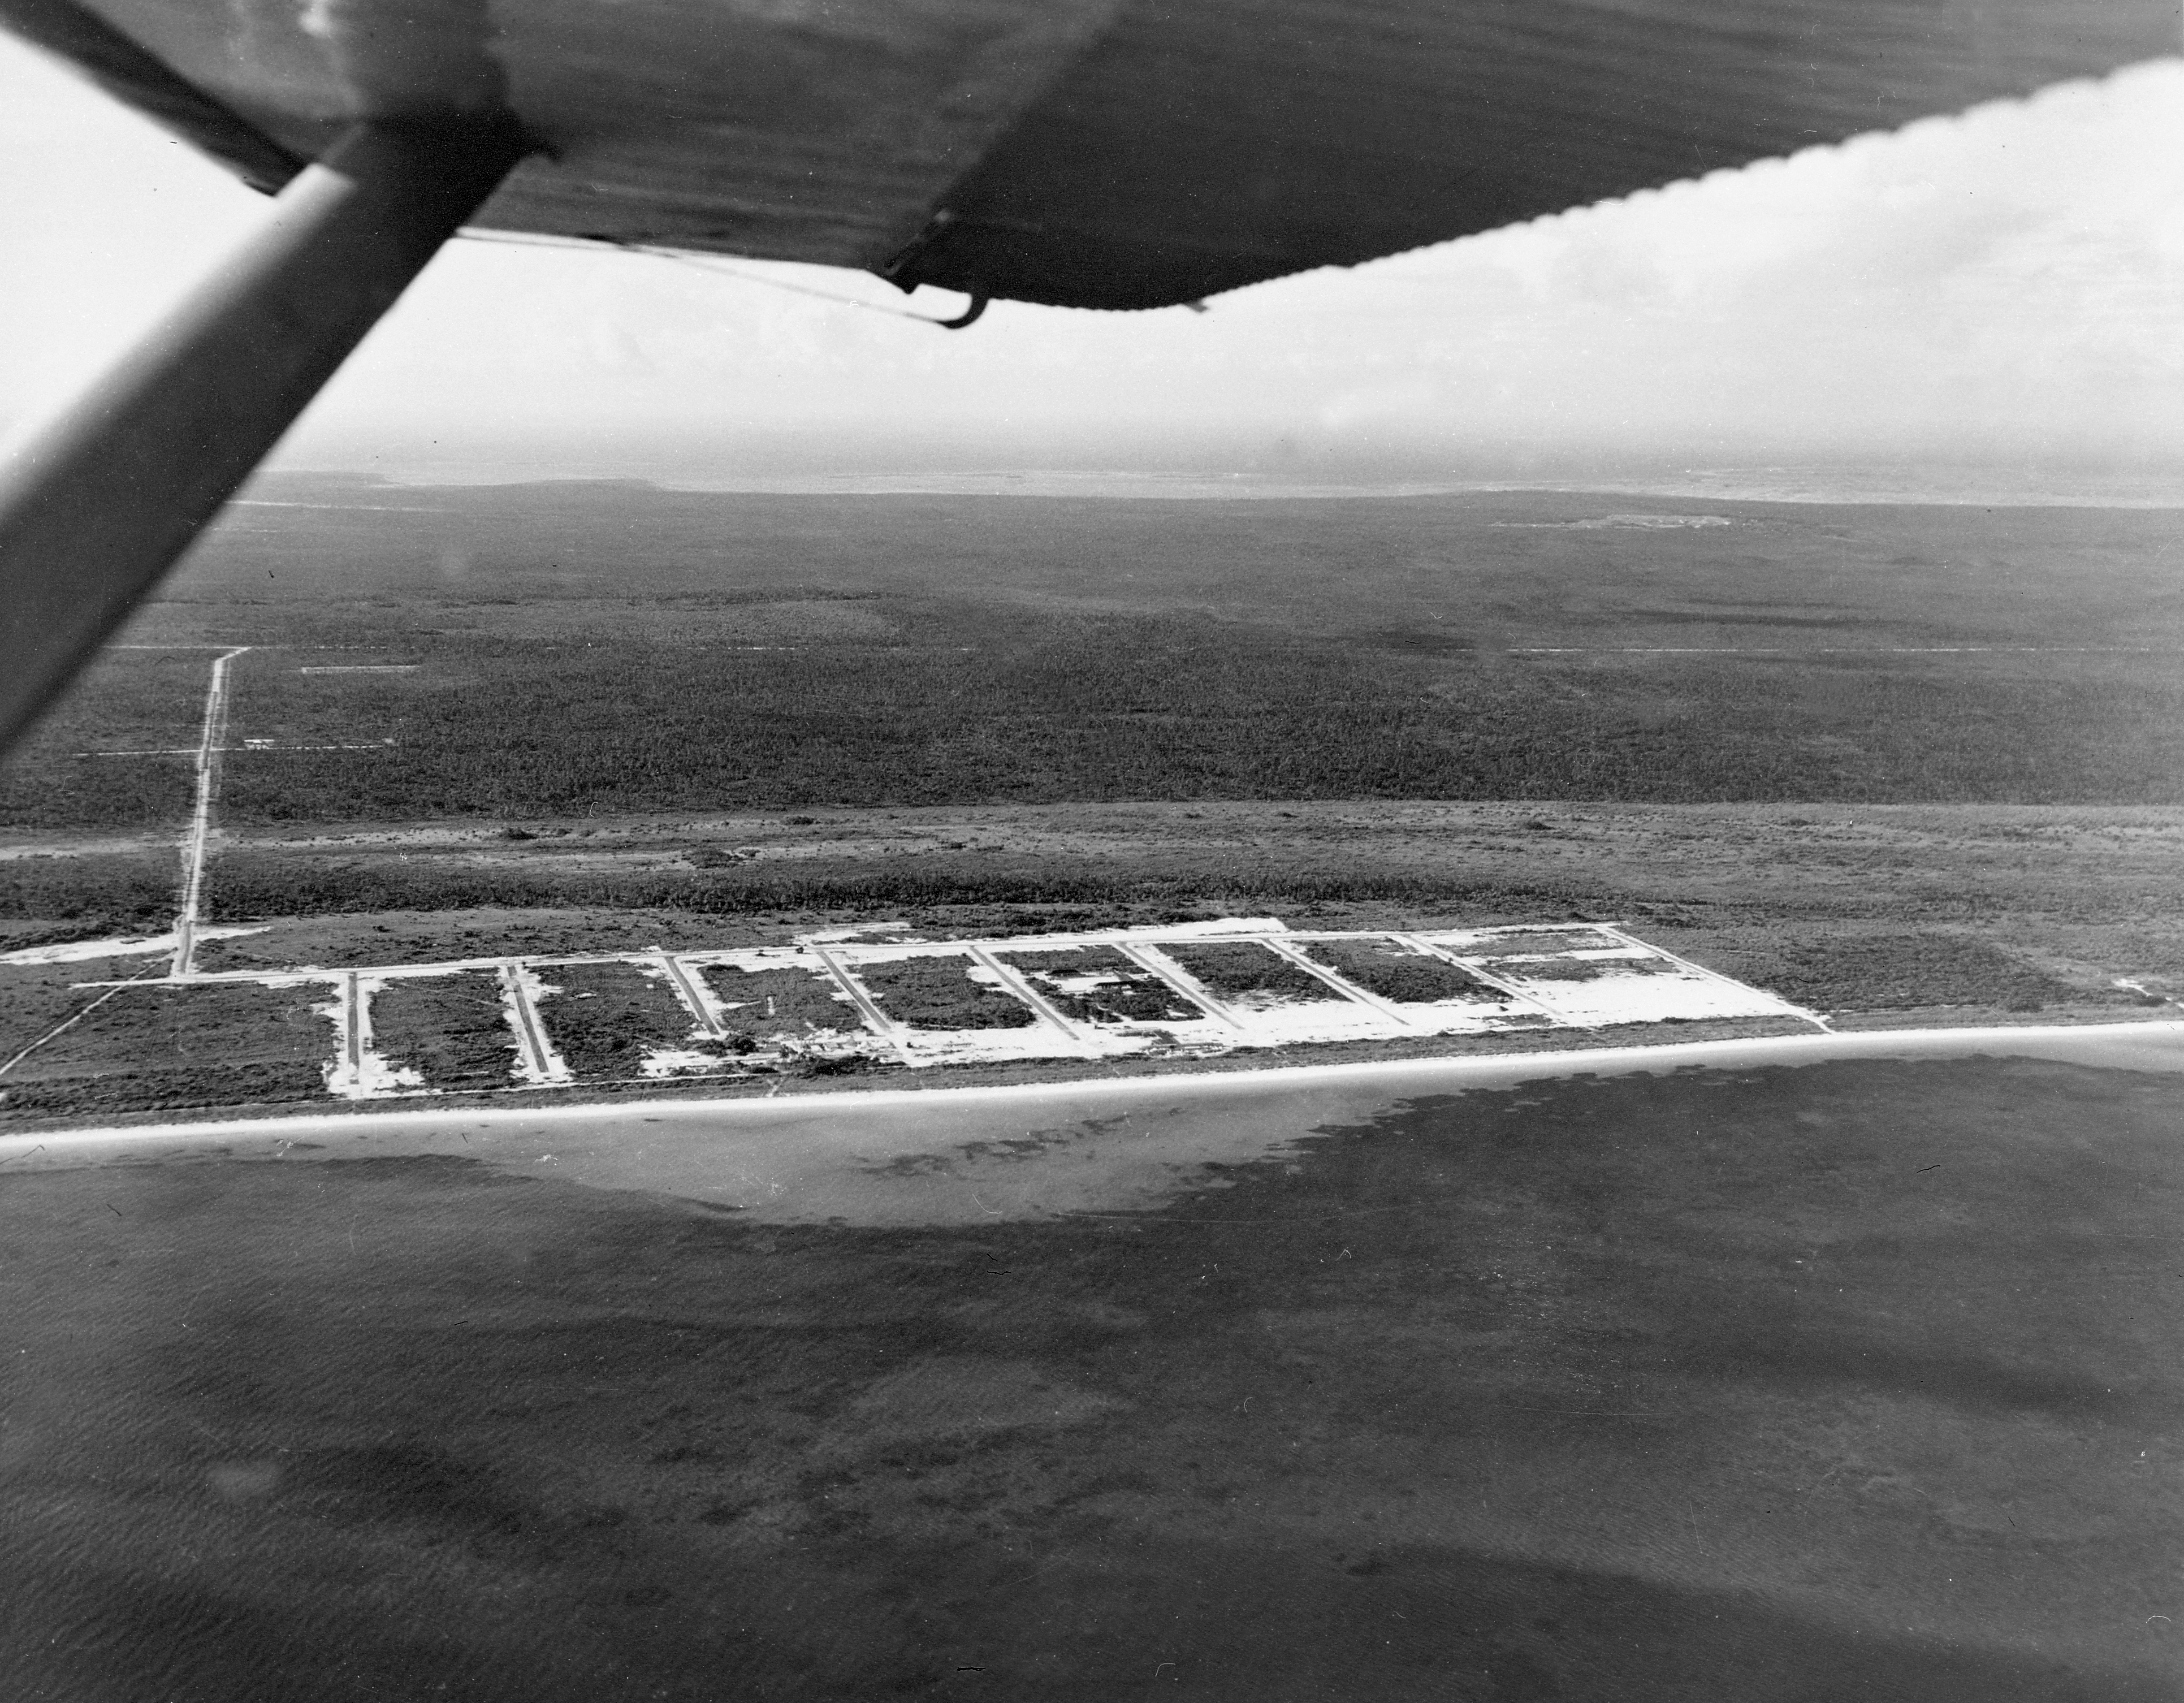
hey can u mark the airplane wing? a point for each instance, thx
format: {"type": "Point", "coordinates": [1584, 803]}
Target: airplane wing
{"type": "Point", "coordinates": [1095, 153]}
{"type": "Point", "coordinates": [1087, 153]}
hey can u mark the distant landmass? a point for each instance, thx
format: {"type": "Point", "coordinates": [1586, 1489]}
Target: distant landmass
{"type": "Point", "coordinates": [1890, 483]}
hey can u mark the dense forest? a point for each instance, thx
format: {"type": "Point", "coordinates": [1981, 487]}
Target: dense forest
{"type": "Point", "coordinates": [600, 650]}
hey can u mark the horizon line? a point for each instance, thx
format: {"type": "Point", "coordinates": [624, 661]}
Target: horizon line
{"type": "Point", "coordinates": [1787, 485]}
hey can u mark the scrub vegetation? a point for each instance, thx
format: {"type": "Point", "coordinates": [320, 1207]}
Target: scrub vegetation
{"type": "Point", "coordinates": [73, 770]}
{"type": "Point", "coordinates": [451, 1030]}
{"type": "Point", "coordinates": [1586, 969]}
{"type": "Point", "coordinates": [152, 1048]}
{"type": "Point", "coordinates": [600, 650]}
{"type": "Point", "coordinates": [1518, 942]}
{"type": "Point", "coordinates": [1896, 971]}
{"type": "Point", "coordinates": [1240, 969]}
{"type": "Point", "coordinates": [254, 883]}
{"type": "Point", "coordinates": [938, 993]}
{"type": "Point", "coordinates": [993, 703]}
{"type": "Point", "coordinates": [1396, 973]}
{"type": "Point", "coordinates": [767, 1004]}
{"type": "Point", "coordinates": [87, 897]}
{"type": "Point", "coordinates": [604, 1018]}
{"type": "Point", "coordinates": [1097, 984]}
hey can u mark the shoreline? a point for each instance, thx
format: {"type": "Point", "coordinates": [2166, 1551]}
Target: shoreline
{"type": "Point", "coordinates": [2139, 1045]}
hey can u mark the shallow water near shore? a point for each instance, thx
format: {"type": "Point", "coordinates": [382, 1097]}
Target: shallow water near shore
{"type": "Point", "coordinates": [978, 1155]}
{"type": "Point", "coordinates": [1743, 1380]}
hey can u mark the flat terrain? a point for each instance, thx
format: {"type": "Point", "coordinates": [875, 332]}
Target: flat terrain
{"type": "Point", "coordinates": [569, 650]}
{"type": "Point", "coordinates": [1874, 914]}
{"type": "Point", "coordinates": [1629, 1374]}
{"type": "Point", "coordinates": [1878, 759]}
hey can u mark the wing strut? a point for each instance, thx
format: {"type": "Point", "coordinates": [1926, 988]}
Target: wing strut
{"type": "Point", "coordinates": [99, 505]}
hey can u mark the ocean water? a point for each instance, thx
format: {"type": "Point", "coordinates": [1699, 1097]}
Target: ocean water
{"type": "Point", "coordinates": [1853, 1378]}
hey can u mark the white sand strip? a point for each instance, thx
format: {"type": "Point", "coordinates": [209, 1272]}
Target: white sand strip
{"type": "Point", "coordinates": [2156, 1044]}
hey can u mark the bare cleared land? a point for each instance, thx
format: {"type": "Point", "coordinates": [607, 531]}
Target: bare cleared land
{"type": "Point", "coordinates": [1876, 915]}
{"type": "Point", "coordinates": [831, 1005]}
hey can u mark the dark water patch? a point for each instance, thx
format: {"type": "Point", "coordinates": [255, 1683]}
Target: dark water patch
{"type": "Point", "coordinates": [404, 1485]}
{"type": "Point", "coordinates": [422, 1167]}
{"type": "Point", "coordinates": [198, 1642]}
{"type": "Point", "coordinates": [1793, 1356]}
{"type": "Point", "coordinates": [1773, 1384]}
{"type": "Point", "coordinates": [1424, 641]}
{"type": "Point", "coordinates": [1726, 617]}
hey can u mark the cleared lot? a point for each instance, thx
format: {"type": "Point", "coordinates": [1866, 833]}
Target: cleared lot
{"type": "Point", "coordinates": [1193, 990]}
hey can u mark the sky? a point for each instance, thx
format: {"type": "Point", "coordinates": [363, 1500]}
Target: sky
{"type": "Point", "coordinates": [1989, 302]}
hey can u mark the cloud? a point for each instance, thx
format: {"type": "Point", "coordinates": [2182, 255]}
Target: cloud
{"type": "Point", "coordinates": [2003, 284]}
